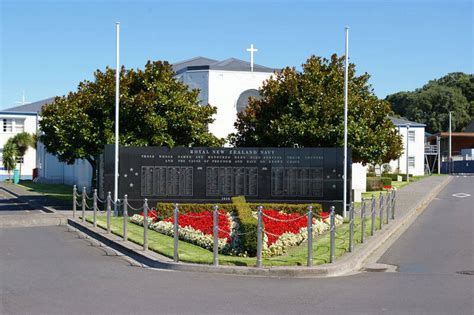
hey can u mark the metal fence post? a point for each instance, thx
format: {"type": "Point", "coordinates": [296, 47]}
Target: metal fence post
{"type": "Point", "coordinates": [362, 221]}
{"type": "Point", "coordinates": [125, 218]}
{"type": "Point", "coordinates": [83, 204]}
{"type": "Point", "coordinates": [351, 227]}
{"type": "Point", "coordinates": [387, 207]}
{"type": "Point", "coordinates": [393, 203]}
{"type": "Point", "coordinates": [176, 233]}
{"type": "Point", "coordinates": [372, 224]}
{"type": "Point", "coordinates": [145, 224]}
{"type": "Point", "coordinates": [74, 200]}
{"type": "Point", "coordinates": [109, 199]}
{"type": "Point", "coordinates": [381, 209]}
{"type": "Point", "coordinates": [95, 208]}
{"type": "Point", "coordinates": [216, 235]}
{"type": "Point", "coordinates": [332, 235]}
{"type": "Point", "coordinates": [310, 236]}
{"type": "Point", "coordinates": [259, 237]}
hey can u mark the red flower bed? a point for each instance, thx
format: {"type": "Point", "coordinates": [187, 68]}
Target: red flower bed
{"type": "Point", "coordinates": [151, 214]}
{"type": "Point", "coordinates": [277, 227]}
{"type": "Point", "coordinates": [204, 222]}
{"type": "Point", "coordinates": [387, 187]}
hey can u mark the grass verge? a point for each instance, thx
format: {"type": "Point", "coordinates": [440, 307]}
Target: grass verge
{"type": "Point", "coordinates": [57, 191]}
{"type": "Point", "coordinates": [296, 256]}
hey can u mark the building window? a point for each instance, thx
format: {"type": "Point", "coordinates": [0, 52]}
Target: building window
{"type": "Point", "coordinates": [243, 100]}
{"type": "Point", "coordinates": [411, 135]}
{"type": "Point", "coordinates": [19, 125]}
{"type": "Point", "coordinates": [411, 161]}
{"type": "Point", "coordinates": [7, 125]}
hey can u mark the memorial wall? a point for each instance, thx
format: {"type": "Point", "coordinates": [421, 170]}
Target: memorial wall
{"type": "Point", "coordinates": [185, 174]}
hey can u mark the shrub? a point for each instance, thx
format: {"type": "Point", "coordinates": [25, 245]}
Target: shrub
{"type": "Point", "coordinates": [247, 223]}
{"type": "Point", "coordinates": [165, 210]}
{"type": "Point", "coordinates": [393, 176]}
{"type": "Point", "coordinates": [288, 207]}
{"type": "Point", "coordinates": [386, 181]}
{"type": "Point", "coordinates": [374, 183]}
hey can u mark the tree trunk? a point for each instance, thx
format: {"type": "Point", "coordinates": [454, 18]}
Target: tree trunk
{"type": "Point", "coordinates": [19, 177]}
{"type": "Point", "coordinates": [93, 162]}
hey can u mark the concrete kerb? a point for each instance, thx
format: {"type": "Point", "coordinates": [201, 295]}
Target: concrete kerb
{"type": "Point", "coordinates": [348, 263]}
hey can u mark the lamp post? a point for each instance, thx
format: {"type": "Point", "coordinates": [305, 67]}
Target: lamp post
{"type": "Point", "coordinates": [117, 97]}
{"type": "Point", "coordinates": [408, 144]}
{"type": "Point", "coordinates": [450, 144]}
{"type": "Point", "coordinates": [346, 74]}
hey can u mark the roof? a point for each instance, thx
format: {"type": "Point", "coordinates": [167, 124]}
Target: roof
{"type": "Point", "coordinates": [470, 127]}
{"type": "Point", "coordinates": [230, 64]}
{"type": "Point", "coordinates": [401, 122]}
{"type": "Point", "coordinates": [445, 134]}
{"type": "Point", "coordinates": [34, 107]}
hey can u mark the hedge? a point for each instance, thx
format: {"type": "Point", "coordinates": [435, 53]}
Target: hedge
{"type": "Point", "coordinates": [288, 207]}
{"type": "Point", "coordinates": [248, 225]}
{"type": "Point", "coordinates": [377, 183]}
{"type": "Point", "coordinates": [394, 176]}
{"type": "Point", "coordinates": [165, 210]}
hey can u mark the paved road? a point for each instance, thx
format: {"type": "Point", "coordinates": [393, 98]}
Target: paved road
{"type": "Point", "coordinates": [48, 270]}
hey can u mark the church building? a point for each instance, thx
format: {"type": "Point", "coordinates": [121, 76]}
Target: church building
{"type": "Point", "coordinates": [226, 84]}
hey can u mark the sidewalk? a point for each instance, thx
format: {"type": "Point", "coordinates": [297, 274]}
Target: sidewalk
{"type": "Point", "coordinates": [38, 200]}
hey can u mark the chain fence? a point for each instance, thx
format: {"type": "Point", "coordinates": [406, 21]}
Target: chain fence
{"type": "Point", "coordinates": [362, 222]}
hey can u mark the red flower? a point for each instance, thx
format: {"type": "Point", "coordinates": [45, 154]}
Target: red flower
{"type": "Point", "coordinates": [204, 222]}
{"type": "Point", "coordinates": [151, 214]}
{"type": "Point", "coordinates": [284, 223]}
{"type": "Point", "coordinates": [387, 187]}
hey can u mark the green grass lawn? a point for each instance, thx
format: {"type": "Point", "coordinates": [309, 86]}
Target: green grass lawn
{"type": "Point", "coordinates": [295, 256]}
{"type": "Point", "coordinates": [57, 191]}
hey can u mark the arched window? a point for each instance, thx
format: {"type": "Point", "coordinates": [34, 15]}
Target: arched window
{"type": "Point", "coordinates": [243, 100]}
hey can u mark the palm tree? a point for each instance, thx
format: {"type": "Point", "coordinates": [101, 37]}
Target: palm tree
{"type": "Point", "coordinates": [23, 141]}
{"type": "Point", "coordinates": [10, 152]}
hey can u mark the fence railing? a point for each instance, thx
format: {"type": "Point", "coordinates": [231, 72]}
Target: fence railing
{"type": "Point", "coordinates": [372, 208]}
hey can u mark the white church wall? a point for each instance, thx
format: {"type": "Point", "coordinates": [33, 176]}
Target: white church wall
{"type": "Point", "coordinates": [51, 170]}
{"type": "Point", "coordinates": [197, 79]}
{"type": "Point", "coordinates": [225, 88]}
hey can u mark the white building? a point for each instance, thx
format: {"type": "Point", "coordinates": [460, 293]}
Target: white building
{"type": "Point", "coordinates": [225, 84]}
{"type": "Point", "coordinates": [415, 147]}
{"type": "Point", "coordinates": [23, 118]}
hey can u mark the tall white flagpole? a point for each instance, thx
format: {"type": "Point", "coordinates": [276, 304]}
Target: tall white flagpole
{"type": "Point", "coordinates": [117, 97]}
{"type": "Point", "coordinates": [346, 74]}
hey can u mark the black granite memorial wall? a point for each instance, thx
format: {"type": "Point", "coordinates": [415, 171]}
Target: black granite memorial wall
{"type": "Point", "coordinates": [185, 174]}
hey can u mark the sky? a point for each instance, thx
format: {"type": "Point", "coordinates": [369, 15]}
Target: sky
{"type": "Point", "coordinates": [48, 47]}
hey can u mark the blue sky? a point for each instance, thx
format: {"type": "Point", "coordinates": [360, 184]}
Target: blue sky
{"type": "Point", "coordinates": [48, 47]}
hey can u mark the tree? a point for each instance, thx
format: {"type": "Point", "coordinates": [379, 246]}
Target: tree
{"type": "Point", "coordinates": [307, 109]}
{"type": "Point", "coordinates": [155, 109]}
{"type": "Point", "coordinates": [23, 141]}
{"type": "Point", "coordinates": [432, 103]}
{"type": "Point", "coordinates": [9, 155]}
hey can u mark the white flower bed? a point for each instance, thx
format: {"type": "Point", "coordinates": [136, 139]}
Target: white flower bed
{"type": "Point", "coordinates": [188, 233]}
{"type": "Point", "coordinates": [191, 235]}
{"type": "Point", "coordinates": [287, 240]}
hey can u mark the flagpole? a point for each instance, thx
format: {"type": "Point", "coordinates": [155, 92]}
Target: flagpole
{"type": "Point", "coordinates": [346, 73]}
{"type": "Point", "coordinates": [117, 97]}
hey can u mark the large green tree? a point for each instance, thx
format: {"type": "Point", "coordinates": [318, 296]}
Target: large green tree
{"type": "Point", "coordinates": [155, 109]}
{"type": "Point", "coordinates": [432, 103]}
{"type": "Point", "coordinates": [306, 108]}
